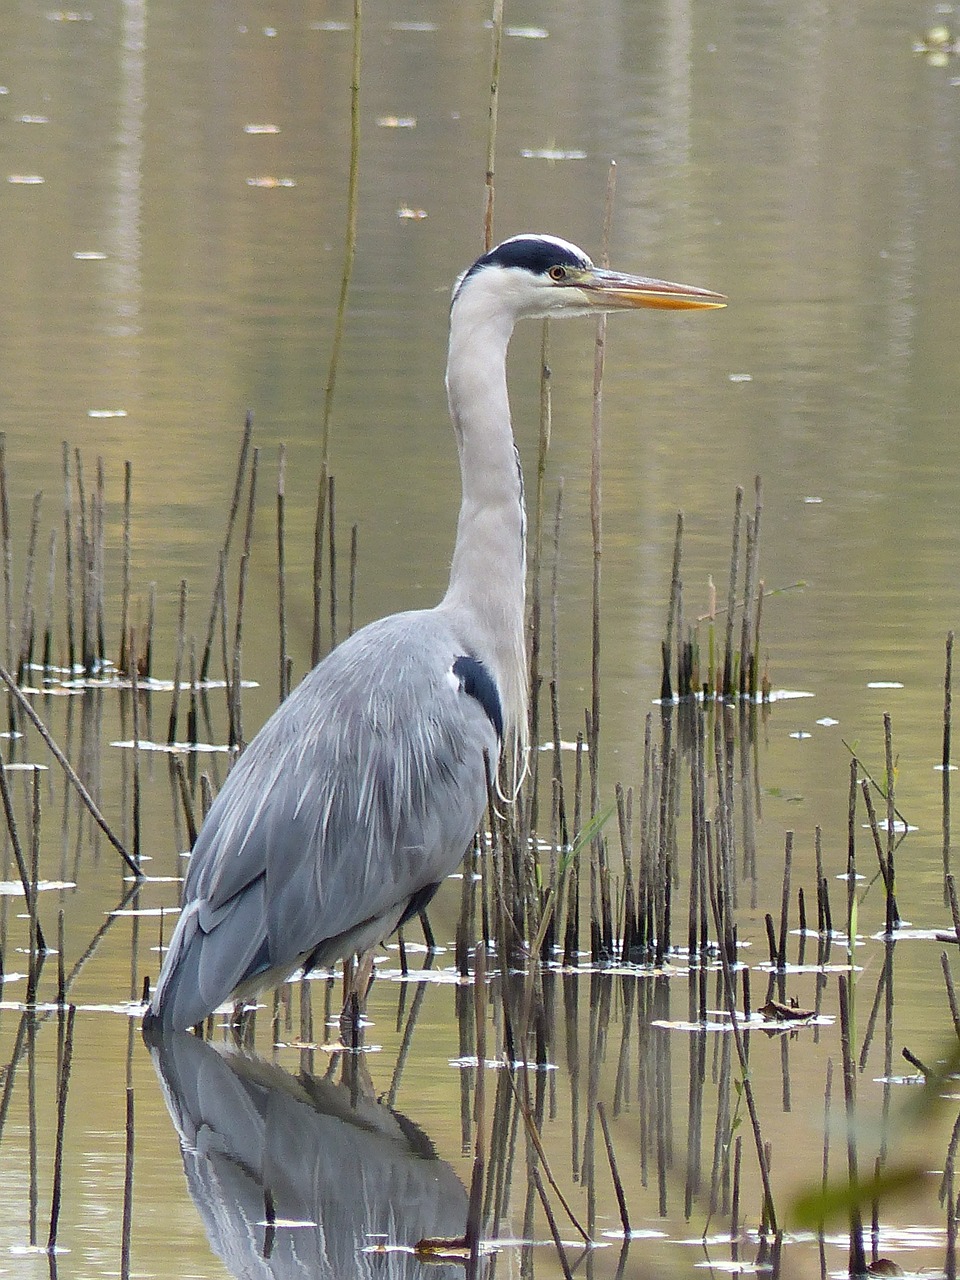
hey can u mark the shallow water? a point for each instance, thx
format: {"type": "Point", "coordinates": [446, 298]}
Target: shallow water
{"type": "Point", "coordinates": [179, 263]}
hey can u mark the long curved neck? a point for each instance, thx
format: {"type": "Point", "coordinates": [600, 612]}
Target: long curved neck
{"type": "Point", "coordinates": [488, 571]}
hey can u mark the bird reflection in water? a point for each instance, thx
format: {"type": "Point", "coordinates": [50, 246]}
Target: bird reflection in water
{"type": "Point", "coordinates": [302, 1176]}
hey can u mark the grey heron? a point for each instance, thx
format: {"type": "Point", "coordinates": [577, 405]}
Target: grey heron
{"type": "Point", "coordinates": [363, 790]}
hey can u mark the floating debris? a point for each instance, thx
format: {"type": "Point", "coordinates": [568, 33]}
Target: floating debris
{"type": "Point", "coordinates": [144, 911]}
{"type": "Point", "coordinates": [174, 748]}
{"type": "Point", "coordinates": [900, 827]}
{"type": "Point", "coordinates": [800, 734]}
{"type": "Point", "coordinates": [813, 502]}
{"type": "Point", "coordinates": [261, 128]}
{"type": "Point", "coordinates": [89, 255]}
{"type": "Point", "coordinates": [106, 413]}
{"type": "Point", "coordinates": [269, 183]}
{"type": "Point", "coordinates": [497, 1064]}
{"type": "Point", "coordinates": [14, 889]}
{"type": "Point", "coordinates": [827, 721]}
{"type": "Point", "coordinates": [739, 377]}
{"type": "Point", "coordinates": [776, 1011]}
{"type": "Point", "coordinates": [397, 122]}
{"type": "Point", "coordinates": [25, 179]}
{"type": "Point", "coordinates": [884, 684]}
{"type": "Point", "coordinates": [411, 215]}
{"type": "Point", "coordinates": [28, 119]}
{"type": "Point", "coordinates": [553, 153]}
{"type": "Point", "coordinates": [526, 33]}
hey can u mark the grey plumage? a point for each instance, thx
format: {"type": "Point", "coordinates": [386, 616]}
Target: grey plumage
{"type": "Point", "coordinates": [377, 754]}
{"type": "Point", "coordinates": [363, 790]}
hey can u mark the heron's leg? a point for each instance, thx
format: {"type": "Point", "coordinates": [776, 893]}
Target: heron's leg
{"type": "Point", "coordinates": [357, 980]}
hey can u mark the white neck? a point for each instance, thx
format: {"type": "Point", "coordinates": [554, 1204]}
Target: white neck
{"type": "Point", "coordinates": [488, 572]}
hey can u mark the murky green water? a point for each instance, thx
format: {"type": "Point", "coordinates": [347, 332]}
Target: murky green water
{"type": "Point", "coordinates": [172, 198]}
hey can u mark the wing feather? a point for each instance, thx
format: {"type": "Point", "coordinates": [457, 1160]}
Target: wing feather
{"type": "Point", "coordinates": [363, 788]}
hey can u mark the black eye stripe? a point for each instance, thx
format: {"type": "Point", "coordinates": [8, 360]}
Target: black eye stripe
{"type": "Point", "coordinates": [536, 254]}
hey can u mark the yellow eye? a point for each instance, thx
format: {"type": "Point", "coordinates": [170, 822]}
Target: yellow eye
{"type": "Point", "coordinates": [558, 273]}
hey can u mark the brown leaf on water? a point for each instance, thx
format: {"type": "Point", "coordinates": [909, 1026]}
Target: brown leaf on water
{"type": "Point", "coordinates": [439, 1249]}
{"type": "Point", "coordinates": [778, 1012]}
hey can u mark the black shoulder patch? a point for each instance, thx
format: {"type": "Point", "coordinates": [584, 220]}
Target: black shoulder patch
{"type": "Point", "coordinates": [477, 681]}
{"type": "Point", "coordinates": [533, 253]}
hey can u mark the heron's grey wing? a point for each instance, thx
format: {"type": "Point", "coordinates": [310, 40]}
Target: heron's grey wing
{"type": "Point", "coordinates": [362, 790]}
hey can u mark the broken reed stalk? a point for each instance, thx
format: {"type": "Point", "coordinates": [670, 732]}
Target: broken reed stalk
{"type": "Point", "coordinates": [474, 1222]}
{"type": "Point", "coordinates": [7, 549]}
{"type": "Point", "coordinates": [234, 681]}
{"type": "Point", "coordinates": [47, 659]}
{"type": "Point", "coordinates": [68, 556]}
{"type": "Point", "coordinates": [874, 829]}
{"type": "Point", "coordinates": [282, 571]}
{"type": "Point", "coordinates": [123, 658]}
{"type": "Point", "coordinates": [316, 642]}
{"type": "Point", "coordinates": [857, 1257]}
{"type": "Point", "coordinates": [99, 564]}
{"type": "Point", "coordinates": [26, 613]}
{"type": "Point", "coordinates": [83, 548]}
{"type": "Point", "coordinates": [332, 557]}
{"type": "Point", "coordinates": [945, 756]}
{"type": "Point", "coordinates": [893, 915]}
{"type": "Point", "coordinates": [951, 993]}
{"type": "Point", "coordinates": [666, 688]}
{"type": "Point", "coordinates": [63, 1084]}
{"type": "Point", "coordinates": [218, 588]}
{"type": "Point", "coordinates": [352, 579]}
{"type": "Point", "coordinates": [135, 704]}
{"type": "Point", "coordinates": [552, 1224]}
{"type": "Point", "coordinates": [749, 631]}
{"type": "Point", "coordinates": [36, 951]}
{"type": "Point", "coordinates": [614, 1171]}
{"type": "Point", "coordinates": [728, 689]}
{"type": "Point", "coordinates": [146, 659]}
{"type": "Point", "coordinates": [183, 788]}
{"type": "Point", "coordinates": [178, 663]}
{"type": "Point", "coordinates": [851, 924]}
{"type": "Point", "coordinates": [13, 831]}
{"type": "Point", "coordinates": [126, 1227]}
{"type": "Point", "coordinates": [68, 769]}
{"type": "Point", "coordinates": [785, 902]}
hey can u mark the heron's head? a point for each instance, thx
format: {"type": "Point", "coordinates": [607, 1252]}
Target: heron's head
{"type": "Point", "coordinates": [538, 275]}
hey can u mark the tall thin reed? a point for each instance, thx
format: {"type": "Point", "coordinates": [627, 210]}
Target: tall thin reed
{"type": "Point", "coordinates": [945, 754]}
{"type": "Point", "coordinates": [7, 546]}
{"type": "Point", "coordinates": [125, 568]}
{"type": "Point", "coordinates": [225, 549]}
{"type": "Point", "coordinates": [282, 571]}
